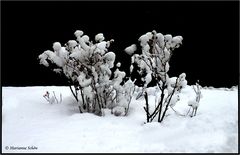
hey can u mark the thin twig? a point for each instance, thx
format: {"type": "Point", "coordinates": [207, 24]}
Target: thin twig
{"type": "Point", "coordinates": [131, 95]}
{"type": "Point", "coordinates": [55, 96]}
{"type": "Point", "coordinates": [60, 97]}
{"type": "Point", "coordinates": [169, 101]}
{"type": "Point", "coordinates": [147, 106]}
{"type": "Point", "coordinates": [46, 98]}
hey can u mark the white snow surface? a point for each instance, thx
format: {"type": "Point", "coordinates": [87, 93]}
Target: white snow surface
{"type": "Point", "coordinates": [29, 121]}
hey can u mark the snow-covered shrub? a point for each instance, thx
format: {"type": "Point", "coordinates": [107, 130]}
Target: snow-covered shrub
{"type": "Point", "coordinates": [87, 66]}
{"type": "Point", "coordinates": [157, 49]}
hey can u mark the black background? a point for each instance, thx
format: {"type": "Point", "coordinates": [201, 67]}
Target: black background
{"type": "Point", "coordinates": [210, 33]}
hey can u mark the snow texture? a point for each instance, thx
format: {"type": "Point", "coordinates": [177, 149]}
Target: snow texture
{"type": "Point", "coordinates": [28, 120]}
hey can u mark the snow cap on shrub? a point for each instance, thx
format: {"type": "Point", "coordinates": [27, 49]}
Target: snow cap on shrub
{"type": "Point", "coordinates": [85, 38]}
{"type": "Point", "coordinates": [102, 45]}
{"type": "Point", "coordinates": [72, 43]}
{"type": "Point", "coordinates": [78, 33]}
{"type": "Point", "coordinates": [57, 46]}
{"type": "Point", "coordinates": [176, 41]}
{"type": "Point", "coordinates": [160, 39]}
{"type": "Point", "coordinates": [143, 39]}
{"type": "Point", "coordinates": [99, 37]}
{"type": "Point", "coordinates": [109, 58]}
{"type": "Point", "coordinates": [43, 60]}
{"type": "Point", "coordinates": [168, 37]}
{"type": "Point", "coordinates": [131, 49]}
{"type": "Point", "coordinates": [149, 35]}
{"type": "Point", "coordinates": [182, 76]}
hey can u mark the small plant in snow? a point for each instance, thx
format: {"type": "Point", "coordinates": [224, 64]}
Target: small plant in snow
{"type": "Point", "coordinates": [157, 49]}
{"type": "Point", "coordinates": [52, 99]}
{"type": "Point", "coordinates": [87, 66]}
{"type": "Point", "coordinates": [194, 103]}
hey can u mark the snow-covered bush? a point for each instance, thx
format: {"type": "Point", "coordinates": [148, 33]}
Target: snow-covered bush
{"type": "Point", "coordinates": [157, 49]}
{"type": "Point", "coordinates": [87, 66]}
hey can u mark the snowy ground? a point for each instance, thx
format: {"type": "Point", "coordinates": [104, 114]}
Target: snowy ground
{"type": "Point", "coordinates": [30, 124]}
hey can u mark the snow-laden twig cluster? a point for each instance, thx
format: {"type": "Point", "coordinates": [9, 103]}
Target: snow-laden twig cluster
{"type": "Point", "coordinates": [157, 50]}
{"type": "Point", "coordinates": [87, 66]}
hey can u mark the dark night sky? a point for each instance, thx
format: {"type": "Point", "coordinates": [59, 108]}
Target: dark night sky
{"type": "Point", "coordinates": [210, 33]}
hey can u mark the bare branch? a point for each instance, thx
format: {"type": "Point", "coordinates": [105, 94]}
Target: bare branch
{"type": "Point", "coordinates": [147, 106]}
{"type": "Point", "coordinates": [160, 120]}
